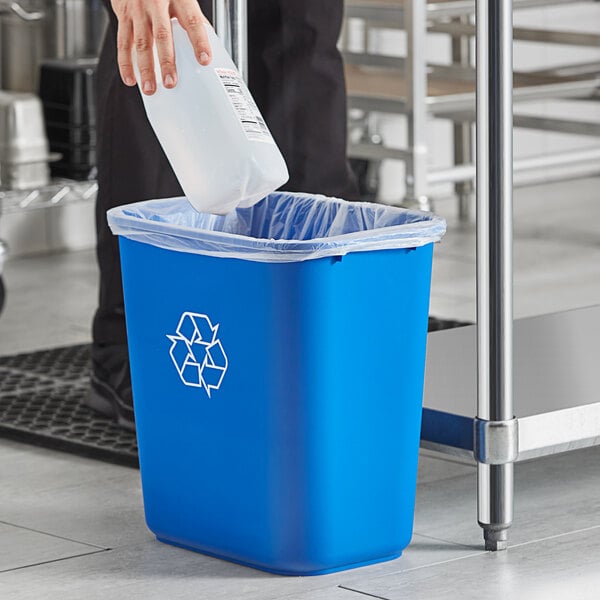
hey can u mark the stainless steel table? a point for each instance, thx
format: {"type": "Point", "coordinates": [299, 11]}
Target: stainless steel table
{"type": "Point", "coordinates": [548, 363]}
{"type": "Point", "coordinates": [556, 385]}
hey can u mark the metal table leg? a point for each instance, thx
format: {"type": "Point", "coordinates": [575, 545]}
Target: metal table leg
{"type": "Point", "coordinates": [495, 438]}
{"type": "Point", "coordinates": [230, 19]}
{"type": "Point", "coordinates": [416, 101]}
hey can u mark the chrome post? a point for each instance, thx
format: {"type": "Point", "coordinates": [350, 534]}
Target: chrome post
{"type": "Point", "coordinates": [416, 100]}
{"type": "Point", "coordinates": [230, 18]}
{"type": "Point", "coordinates": [494, 260]}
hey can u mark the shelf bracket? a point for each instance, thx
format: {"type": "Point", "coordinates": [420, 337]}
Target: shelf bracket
{"type": "Point", "coordinates": [496, 442]}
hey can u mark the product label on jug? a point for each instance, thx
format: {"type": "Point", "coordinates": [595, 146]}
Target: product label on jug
{"type": "Point", "coordinates": [252, 122]}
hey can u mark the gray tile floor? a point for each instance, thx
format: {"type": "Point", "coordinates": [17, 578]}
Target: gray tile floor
{"type": "Point", "coordinates": [73, 528]}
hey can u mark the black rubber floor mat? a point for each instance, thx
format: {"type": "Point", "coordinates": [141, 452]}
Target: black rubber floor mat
{"type": "Point", "coordinates": [41, 397]}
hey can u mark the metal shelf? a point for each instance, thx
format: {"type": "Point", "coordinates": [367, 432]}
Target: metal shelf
{"type": "Point", "coordinates": [391, 12]}
{"type": "Point", "coordinates": [544, 36]}
{"type": "Point", "coordinates": [385, 89]}
{"type": "Point", "coordinates": [380, 84]}
{"type": "Point", "coordinates": [556, 392]}
{"type": "Point", "coordinates": [57, 193]}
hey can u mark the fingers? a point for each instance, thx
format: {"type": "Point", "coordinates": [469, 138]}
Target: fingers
{"type": "Point", "coordinates": [124, 46]}
{"type": "Point", "coordinates": [190, 17]}
{"type": "Point", "coordinates": [143, 43]}
{"type": "Point", "coordinates": [163, 38]}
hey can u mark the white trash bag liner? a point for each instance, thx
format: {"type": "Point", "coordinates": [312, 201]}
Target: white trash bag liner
{"type": "Point", "coordinates": [283, 227]}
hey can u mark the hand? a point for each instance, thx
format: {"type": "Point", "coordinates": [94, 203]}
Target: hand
{"type": "Point", "coordinates": [143, 23]}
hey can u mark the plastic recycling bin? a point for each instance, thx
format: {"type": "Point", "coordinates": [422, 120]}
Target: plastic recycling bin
{"type": "Point", "coordinates": [277, 360]}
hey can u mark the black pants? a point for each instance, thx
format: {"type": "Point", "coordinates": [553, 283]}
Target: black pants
{"type": "Point", "coordinates": [296, 77]}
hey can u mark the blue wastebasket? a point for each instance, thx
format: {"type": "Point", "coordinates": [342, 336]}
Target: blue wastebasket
{"type": "Point", "coordinates": [277, 360]}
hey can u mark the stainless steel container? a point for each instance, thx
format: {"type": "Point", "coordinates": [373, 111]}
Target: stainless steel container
{"type": "Point", "coordinates": [24, 151]}
{"type": "Point", "coordinates": [41, 29]}
{"type": "Point", "coordinates": [23, 42]}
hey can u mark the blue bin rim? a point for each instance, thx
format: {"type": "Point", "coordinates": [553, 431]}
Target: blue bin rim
{"type": "Point", "coordinates": [148, 222]}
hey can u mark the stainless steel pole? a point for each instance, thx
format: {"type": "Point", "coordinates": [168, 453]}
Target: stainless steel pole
{"type": "Point", "coordinates": [415, 21]}
{"type": "Point", "coordinates": [230, 18]}
{"type": "Point", "coordinates": [494, 272]}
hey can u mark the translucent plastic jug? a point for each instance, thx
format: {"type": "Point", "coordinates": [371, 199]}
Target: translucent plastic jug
{"type": "Point", "coordinates": [212, 132]}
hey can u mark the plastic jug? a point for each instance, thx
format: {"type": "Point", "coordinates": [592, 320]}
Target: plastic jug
{"type": "Point", "coordinates": [212, 132]}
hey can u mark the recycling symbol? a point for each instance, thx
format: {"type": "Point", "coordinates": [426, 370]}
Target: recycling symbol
{"type": "Point", "coordinates": [197, 353]}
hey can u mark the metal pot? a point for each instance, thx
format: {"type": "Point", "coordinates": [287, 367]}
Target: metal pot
{"type": "Point", "coordinates": [75, 28]}
{"type": "Point", "coordinates": [31, 30]}
{"type": "Point", "coordinates": [22, 44]}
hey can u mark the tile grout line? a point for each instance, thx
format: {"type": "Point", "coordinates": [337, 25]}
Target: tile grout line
{"type": "Point", "coordinates": [554, 537]}
{"type": "Point", "coordinates": [433, 564]}
{"type": "Point", "coordinates": [60, 537]}
{"type": "Point", "coordinates": [362, 593]}
{"type": "Point", "coordinates": [444, 540]}
{"type": "Point", "coordinates": [519, 545]}
{"type": "Point", "coordinates": [436, 539]}
{"type": "Point", "coordinates": [56, 560]}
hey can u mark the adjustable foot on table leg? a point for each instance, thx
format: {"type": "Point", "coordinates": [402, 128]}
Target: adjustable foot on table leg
{"type": "Point", "coordinates": [495, 540]}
